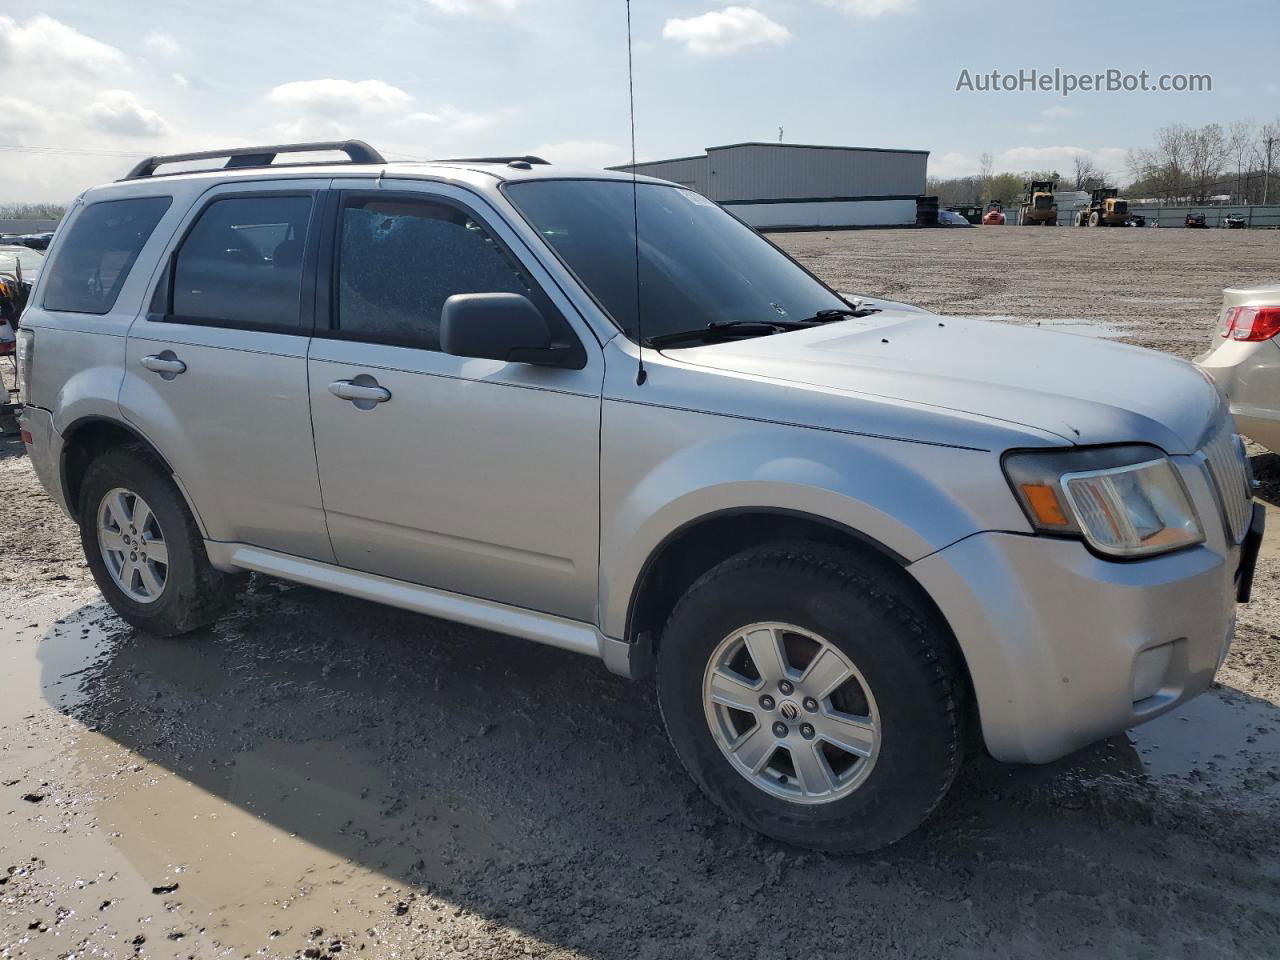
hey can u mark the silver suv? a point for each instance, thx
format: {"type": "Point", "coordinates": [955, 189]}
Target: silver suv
{"type": "Point", "coordinates": [851, 538]}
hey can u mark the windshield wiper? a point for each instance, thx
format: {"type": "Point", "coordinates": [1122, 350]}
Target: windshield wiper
{"type": "Point", "coordinates": [839, 313]}
{"type": "Point", "coordinates": [719, 329]}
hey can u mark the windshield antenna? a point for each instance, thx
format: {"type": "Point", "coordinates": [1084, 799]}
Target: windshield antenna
{"type": "Point", "coordinates": [641, 375]}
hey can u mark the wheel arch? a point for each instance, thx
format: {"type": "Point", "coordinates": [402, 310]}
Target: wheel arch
{"type": "Point", "coordinates": [693, 548]}
{"type": "Point", "coordinates": [90, 437]}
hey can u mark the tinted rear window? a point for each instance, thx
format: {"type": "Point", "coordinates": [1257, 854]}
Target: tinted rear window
{"type": "Point", "coordinates": [241, 264]}
{"type": "Point", "coordinates": [95, 258]}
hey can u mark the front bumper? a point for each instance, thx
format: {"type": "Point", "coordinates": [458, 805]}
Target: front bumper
{"type": "Point", "coordinates": [1065, 648]}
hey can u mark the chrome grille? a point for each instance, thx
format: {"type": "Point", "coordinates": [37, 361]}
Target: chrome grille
{"type": "Point", "coordinates": [1229, 467]}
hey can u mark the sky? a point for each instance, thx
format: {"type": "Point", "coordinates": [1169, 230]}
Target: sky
{"type": "Point", "coordinates": [89, 86]}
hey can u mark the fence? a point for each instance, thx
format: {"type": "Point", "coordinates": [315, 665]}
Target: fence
{"type": "Point", "coordinates": [1257, 217]}
{"type": "Point", "coordinates": [27, 226]}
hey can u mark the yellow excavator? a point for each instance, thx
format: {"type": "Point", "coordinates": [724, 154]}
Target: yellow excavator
{"type": "Point", "coordinates": [1039, 208]}
{"type": "Point", "coordinates": [1106, 209]}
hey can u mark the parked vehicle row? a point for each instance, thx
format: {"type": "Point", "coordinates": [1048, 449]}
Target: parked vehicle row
{"type": "Point", "coordinates": [19, 268]}
{"type": "Point", "coordinates": [35, 241]}
{"type": "Point", "coordinates": [849, 538]}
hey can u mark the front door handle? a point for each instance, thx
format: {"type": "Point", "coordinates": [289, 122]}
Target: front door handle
{"type": "Point", "coordinates": [165, 363]}
{"type": "Point", "coordinates": [364, 391]}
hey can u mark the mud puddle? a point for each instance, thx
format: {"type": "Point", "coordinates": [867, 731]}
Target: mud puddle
{"type": "Point", "coordinates": [1225, 743]}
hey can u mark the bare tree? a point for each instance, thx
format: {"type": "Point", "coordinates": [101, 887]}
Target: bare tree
{"type": "Point", "coordinates": [1207, 151]}
{"type": "Point", "coordinates": [1162, 169]}
{"type": "Point", "coordinates": [1085, 174]}
{"type": "Point", "coordinates": [986, 169]}
{"type": "Point", "coordinates": [1240, 140]}
{"type": "Point", "coordinates": [32, 211]}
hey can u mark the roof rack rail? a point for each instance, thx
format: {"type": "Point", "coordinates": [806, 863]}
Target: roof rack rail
{"type": "Point", "coordinates": [357, 151]}
{"type": "Point", "coordinates": [526, 159]}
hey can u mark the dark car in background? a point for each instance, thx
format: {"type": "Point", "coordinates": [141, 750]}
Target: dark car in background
{"type": "Point", "coordinates": [34, 241]}
{"type": "Point", "coordinates": [1195, 220]}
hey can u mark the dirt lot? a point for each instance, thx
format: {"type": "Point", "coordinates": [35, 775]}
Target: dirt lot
{"type": "Point", "coordinates": [319, 776]}
{"type": "Point", "coordinates": [1156, 288]}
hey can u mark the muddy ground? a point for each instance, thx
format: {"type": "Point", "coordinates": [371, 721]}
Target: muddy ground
{"type": "Point", "coordinates": [320, 776]}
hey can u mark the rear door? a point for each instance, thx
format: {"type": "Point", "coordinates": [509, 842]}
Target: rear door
{"type": "Point", "coordinates": [216, 369]}
{"type": "Point", "coordinates": [475, 476]}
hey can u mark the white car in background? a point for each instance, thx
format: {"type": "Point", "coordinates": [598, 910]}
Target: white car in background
{"type": "Point", "coordinates": [1244, 360]}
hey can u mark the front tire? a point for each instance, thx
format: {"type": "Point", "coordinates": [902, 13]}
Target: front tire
{"type": "Point", "coordinates": [144, 548]}
{"type": "Point", "coordinates": [813, 697]}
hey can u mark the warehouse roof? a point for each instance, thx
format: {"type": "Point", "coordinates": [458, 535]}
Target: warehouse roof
{"type": "Point", "coordinates": [763, 143]}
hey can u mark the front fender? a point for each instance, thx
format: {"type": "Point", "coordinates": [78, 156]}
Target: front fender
{"type": "Point", "coordinates": [662, 469]}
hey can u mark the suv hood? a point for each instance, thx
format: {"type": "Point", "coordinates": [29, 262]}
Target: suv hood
{"type": "Point", "coordinates": [1082, 389]}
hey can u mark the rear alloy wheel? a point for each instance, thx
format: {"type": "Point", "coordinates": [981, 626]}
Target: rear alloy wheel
{"type": "Point", "coordinates": [813, 694]}
{"type": "Point", "coordinates": [807, 734]}
{"type": "Point", "coordinates": [144, 547]}
{"type": "Point", "coordinates": [132, 545]}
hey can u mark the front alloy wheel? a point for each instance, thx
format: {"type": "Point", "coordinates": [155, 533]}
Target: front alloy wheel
{"type": "Point", "coordinates": [813, 694]}
{"type": "Point", "coordinates": [791, 713]}
{"type": "Point", "coordinates": [133, 545]}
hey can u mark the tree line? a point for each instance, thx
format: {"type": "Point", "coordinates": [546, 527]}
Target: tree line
{"type": "Point", "coordinates": [1194, 165]}
{"type": "Point", "coordinates": [32, 211]}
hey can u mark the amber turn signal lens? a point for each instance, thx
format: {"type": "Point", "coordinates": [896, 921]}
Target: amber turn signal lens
{"type": "Point", "coordinates": [1044, 502]}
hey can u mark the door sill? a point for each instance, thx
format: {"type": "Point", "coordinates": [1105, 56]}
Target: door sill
{"type": "Point", "coordinates": [460, 608]}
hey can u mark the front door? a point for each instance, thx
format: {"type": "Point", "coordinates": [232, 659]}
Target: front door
{"type": "Point", "coordinates": [216, 371]}
{"type": "Point", "coordinates": [474, 476]}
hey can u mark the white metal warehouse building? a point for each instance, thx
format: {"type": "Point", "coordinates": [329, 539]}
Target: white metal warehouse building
{"type": "Point", "coordinates": [802, 185]}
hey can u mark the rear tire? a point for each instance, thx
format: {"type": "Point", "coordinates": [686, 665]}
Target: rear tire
{"type": "Point", "coordinates": [144, 548]}
{"type": "Point", "coordinates": [896, 714]}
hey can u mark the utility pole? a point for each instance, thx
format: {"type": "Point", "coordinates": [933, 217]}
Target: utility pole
{"type": "Point", "coordinates": [1266, 171]}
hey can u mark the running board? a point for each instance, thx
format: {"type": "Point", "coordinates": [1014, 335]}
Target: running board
{"type": "Point", "coordinates": [486, 614]}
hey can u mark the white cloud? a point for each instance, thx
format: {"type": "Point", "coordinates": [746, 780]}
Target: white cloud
{"type": "Point", "coordinates": [952, 164]}
{"type": "Point", "coordinates": [53, 47]}
{"type": "Point", "coordinates": [21, 116]}
{"type": "Point", "coordinates": [311, 127]}
{"type": "Point", "coordinates": [1057, 112]}
{"type": "Point", "coordinates": [348, 96]}
{"type": "Point", "coordinates": [870, 9]}
{"type": "Point", "coordinates": [119, 112]}
{"type": "Point", "coordinates": [725, 31]}
{"type": "Point", "coordinates": [594, 154]}
{"type": "Point", "coordinates": [162, 44]}
{"type": "Point", "coordinates": [450, 118]}
{"type": "Point", "coordinates": [179, 79]}
{"type": "Point", "coordinates": [476, 8]}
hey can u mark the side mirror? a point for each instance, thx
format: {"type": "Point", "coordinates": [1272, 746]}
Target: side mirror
{"type": "Point", "coordinates": [500, 326]}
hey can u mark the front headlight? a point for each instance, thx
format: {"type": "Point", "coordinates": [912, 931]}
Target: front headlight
{"type": "Point", "coordinates": [1125, 501]}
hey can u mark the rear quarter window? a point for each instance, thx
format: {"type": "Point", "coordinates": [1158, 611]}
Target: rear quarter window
{"type": "Point", "coordinates": [94, 259]}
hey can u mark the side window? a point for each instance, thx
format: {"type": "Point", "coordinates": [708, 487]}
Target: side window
{"type": "Point", "coordinates": [241, 264]}
{"type": "Point", "coordinates": [95, 258]}
{"type": "Point", "coordinates": [399, 259]}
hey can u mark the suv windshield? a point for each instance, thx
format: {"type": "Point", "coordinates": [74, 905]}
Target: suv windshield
{"type": "Point", "coordinates": [698, 265]}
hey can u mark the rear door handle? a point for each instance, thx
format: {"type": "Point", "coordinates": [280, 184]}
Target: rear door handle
{"type": "Point", "coordinates": [165, 364]}
{"type": "Point", "coordinates": [363, 395]}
